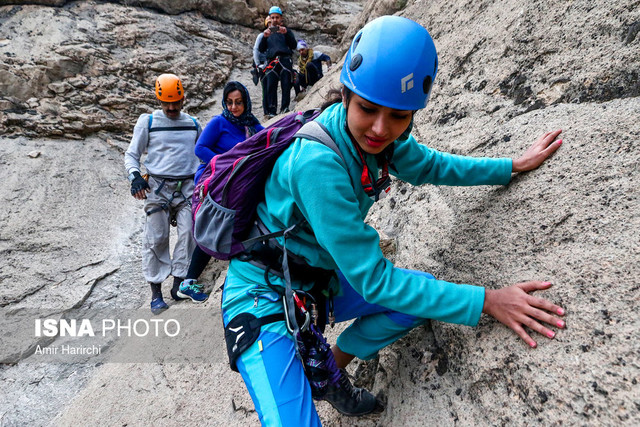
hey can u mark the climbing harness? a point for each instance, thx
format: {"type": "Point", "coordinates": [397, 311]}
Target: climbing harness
{"type": "Point", "coordinates": [178, 192]}
{"type": "Point", "coordinates": [271, 67]}
{"type": "Point", "coordinates": [165, 206]}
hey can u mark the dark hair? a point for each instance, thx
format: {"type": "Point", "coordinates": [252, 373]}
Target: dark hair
{"type": "Point", "coordinates": [233, 86]}
{"type": "Point", "coordinates": [334, 96]}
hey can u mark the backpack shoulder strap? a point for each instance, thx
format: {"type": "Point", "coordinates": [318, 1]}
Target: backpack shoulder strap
{"type": "Point", "coordinates": [316, 131]}
{"type": "Point", "coordinates": [150, 120]}
{"type": "Point", "coordinates": [195, 122]}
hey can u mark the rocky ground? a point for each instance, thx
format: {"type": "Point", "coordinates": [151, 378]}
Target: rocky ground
{"type": "Point", "coordinates": [73, 79]}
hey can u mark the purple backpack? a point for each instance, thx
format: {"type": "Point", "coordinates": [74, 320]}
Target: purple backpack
{"type": "Point", "coordinates": [228, 191]}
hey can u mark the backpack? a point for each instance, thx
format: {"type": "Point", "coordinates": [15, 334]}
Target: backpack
{"type": "Point", "coordinates": [227, 193]}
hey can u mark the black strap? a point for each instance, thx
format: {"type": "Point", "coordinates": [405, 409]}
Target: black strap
{"type": "Point", "coordinates": [165, 205]}
{"type": "Point", "coordinates": [242, 331]}
{"type": "Point", "coordinates": [249, 243]}
{"type": "Point", "coordinates": [271, 318]}
{"type": "Point", "coordinates": [172, 129]}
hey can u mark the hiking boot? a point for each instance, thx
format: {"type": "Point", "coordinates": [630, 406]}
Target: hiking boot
{"type": "Point", "coordinates": [190, 289]}
{"type": "Point", "coordinates": [158, 305]}
{"type": "Point", "coordinates": [285, 111]}
{"type": "Point", "coordinates": [349, 400]}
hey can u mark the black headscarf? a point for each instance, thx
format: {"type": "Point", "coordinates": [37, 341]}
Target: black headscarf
{"type": "Point", "coordinates": [246, 119]}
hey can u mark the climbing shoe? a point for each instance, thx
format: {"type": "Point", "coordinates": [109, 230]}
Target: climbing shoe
{"type": "Point", "coordinates": [349, 400]}
{"type": "Point", "coordinates": [158, 305]}
{"type": "Point", "coordinates": [190, 289]}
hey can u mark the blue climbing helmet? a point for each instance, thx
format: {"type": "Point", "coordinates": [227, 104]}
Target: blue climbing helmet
{"type": "Point", "coordinates": [275, 9]}
{"type": "Point", "coordinates": [392, 61]}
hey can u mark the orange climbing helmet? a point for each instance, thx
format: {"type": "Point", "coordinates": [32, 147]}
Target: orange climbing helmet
{"type": "Point", "coordinates": [169, 88]}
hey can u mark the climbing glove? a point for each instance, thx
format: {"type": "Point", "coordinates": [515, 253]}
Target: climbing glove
{"type": "Point", "coordinates": [138, 183]}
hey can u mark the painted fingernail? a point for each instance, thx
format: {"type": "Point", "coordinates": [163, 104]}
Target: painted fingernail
{"type": "Point", "coordinates": [533, 344]}
{"type": "Point", "coordinates": [546, 283]}
{"type": "Point", "coordinates": [561, 312]}
{"type": "Point", "coordinates": [551, 334]}
{"type": "Point", "coordinates": [560, 324]}
{"type": "Point", "coordinates": [559, 142]}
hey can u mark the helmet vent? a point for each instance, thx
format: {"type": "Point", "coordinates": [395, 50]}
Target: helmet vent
{"type": "Point", "coordinates": [354, 45]}
{"type": "Point", "coordinates": [426, 84]}
{"type": "Point", "coordinates": [356, 61]}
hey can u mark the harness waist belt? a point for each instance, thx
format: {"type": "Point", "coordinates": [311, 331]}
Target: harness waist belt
{"type": "Point", "coordinates": [172, 178]}
{"type": "Point", "coordinates": [269, 257]}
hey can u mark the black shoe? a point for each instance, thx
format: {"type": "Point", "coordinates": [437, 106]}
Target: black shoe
{"type": "Point", "coordinates": [285, 111]}
{"type": "Point", "coordinates": [349, 400]}
{"type": "Point", "coordinates": [175, 288]}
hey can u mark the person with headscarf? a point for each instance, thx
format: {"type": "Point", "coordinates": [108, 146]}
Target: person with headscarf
{"type": "Point", "coordinates": [222, 133]}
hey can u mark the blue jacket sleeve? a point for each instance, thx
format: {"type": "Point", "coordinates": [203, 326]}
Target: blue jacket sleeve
{"type": "Point", "coordinates": [208, 140]}
{"type": "Point", "coordinates": [333, 212]}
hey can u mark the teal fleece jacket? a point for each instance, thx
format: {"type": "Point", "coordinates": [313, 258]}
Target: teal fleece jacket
{"type": "Point", "coordinates": [309, 180]}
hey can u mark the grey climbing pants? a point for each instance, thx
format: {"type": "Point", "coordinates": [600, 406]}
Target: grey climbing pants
{"type": "Point", "coordinates": [157, 264]}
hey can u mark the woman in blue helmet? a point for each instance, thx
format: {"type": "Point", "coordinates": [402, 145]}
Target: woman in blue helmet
{"type": "Point", "coordinates": [370, 123]}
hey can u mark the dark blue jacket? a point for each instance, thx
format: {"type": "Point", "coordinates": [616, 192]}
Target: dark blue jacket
{"type": "Point", "coordinates": [278, 44]}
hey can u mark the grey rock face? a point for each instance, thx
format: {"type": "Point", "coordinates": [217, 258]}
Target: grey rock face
{"type": "Point", "coordinates": [327, 15]}
{"type": "Point", "coordinates": [509, 71]}
{"type": "Point", "coordinates": [86, 67]}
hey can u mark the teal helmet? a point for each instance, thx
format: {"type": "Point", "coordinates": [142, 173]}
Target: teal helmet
{"type": "Point", "coordinates": [392, 61]}
{"type": "Point", "coordinates": [275, 9]}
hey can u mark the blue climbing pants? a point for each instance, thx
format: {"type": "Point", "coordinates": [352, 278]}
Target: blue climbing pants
{"type": "Point", "coordinates": [273, 375]}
